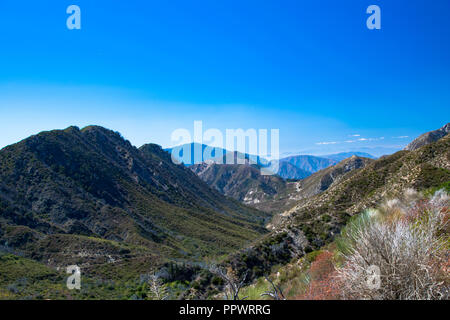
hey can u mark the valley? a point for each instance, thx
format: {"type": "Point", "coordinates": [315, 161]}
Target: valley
{"type": "Point", "coordinates": [90, 198]}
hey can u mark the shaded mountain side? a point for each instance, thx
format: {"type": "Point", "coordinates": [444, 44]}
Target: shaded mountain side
{"type": "Point", "coordinates": [89, 195]}
{"type": "Point", "coordinates": [288, 171]}
{"type": "Point", "coordinates": [315, 221]}
{"type": "Point", "coordinates": [428, 137]}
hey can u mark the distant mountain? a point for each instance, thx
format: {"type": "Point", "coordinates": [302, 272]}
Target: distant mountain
{"type": "Point", "coordinates": [345, 155]}
{"type": "Point", "coordinates": [309, 163]}
{"type": "Point", "coordinates": [428, 137]}
{"type": "Point", "coordinates": [88, 196]}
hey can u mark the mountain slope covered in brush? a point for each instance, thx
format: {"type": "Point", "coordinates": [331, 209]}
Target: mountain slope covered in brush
{"type": "Point", "coordinates": [89, 197]}
{"type": "Point", "coordinates": [316, 220]}
{"type": "Point", "coordinates": [323, 179]}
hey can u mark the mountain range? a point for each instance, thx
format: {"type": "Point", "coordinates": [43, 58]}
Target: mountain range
{"type": "Point", "coordinates": [89, 197]}
{"type": "Point", "coordinates": [294, 167]}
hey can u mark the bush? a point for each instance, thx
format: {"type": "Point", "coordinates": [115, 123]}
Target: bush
{"type": "Point", "coordinates": [408, 241]}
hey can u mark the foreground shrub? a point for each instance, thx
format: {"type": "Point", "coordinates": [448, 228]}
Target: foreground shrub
{"type": "Point", "coordinates": [408, 241]}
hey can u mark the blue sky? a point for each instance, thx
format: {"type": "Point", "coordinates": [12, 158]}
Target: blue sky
{"type": "Point", "coordinates": [309, 68]}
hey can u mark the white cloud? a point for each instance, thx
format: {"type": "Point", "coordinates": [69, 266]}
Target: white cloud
{"type": "Point", "coordinates": [401, 137]}
{"type": "Point", "coordinates": [325, 143]}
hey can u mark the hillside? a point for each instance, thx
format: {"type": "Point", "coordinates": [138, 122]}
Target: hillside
{"type": "Point", "coordinates": [426, 167]}
{"type": "Point", "coordinates": [323, 179]}
{"type": "Point", "coordinates": [315, 221]}
{"type": "Point", "coordinates": [89, 197]}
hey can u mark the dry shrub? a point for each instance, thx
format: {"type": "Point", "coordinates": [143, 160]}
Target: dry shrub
{"type": "Point", "coordinates": [408, 240]}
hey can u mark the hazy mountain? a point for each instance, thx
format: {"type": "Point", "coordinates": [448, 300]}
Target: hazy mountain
{"type": "Point", "coordinates": [429, 137]}
{"type": "Point", "coordinates": [89, 196]}
{"type": "Point", "coordinates": [309, 163]}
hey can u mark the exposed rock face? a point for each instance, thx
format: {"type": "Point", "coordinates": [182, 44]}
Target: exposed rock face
{"type": "Point", "coordinates": [428, 137]}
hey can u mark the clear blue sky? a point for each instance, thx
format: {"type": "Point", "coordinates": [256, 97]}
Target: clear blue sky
{"type": "Point", "coordinates": [309, 68]}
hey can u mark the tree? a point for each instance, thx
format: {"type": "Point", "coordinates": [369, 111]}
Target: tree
{"type": "Point", "coordinates": [233, 283]}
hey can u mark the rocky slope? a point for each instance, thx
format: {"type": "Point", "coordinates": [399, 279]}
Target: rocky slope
{"type": "Point", "coordinates": [428, 137]}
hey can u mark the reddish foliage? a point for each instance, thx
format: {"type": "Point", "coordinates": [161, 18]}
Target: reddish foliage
{"type": "Point", "coordinates": [324, 284]}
